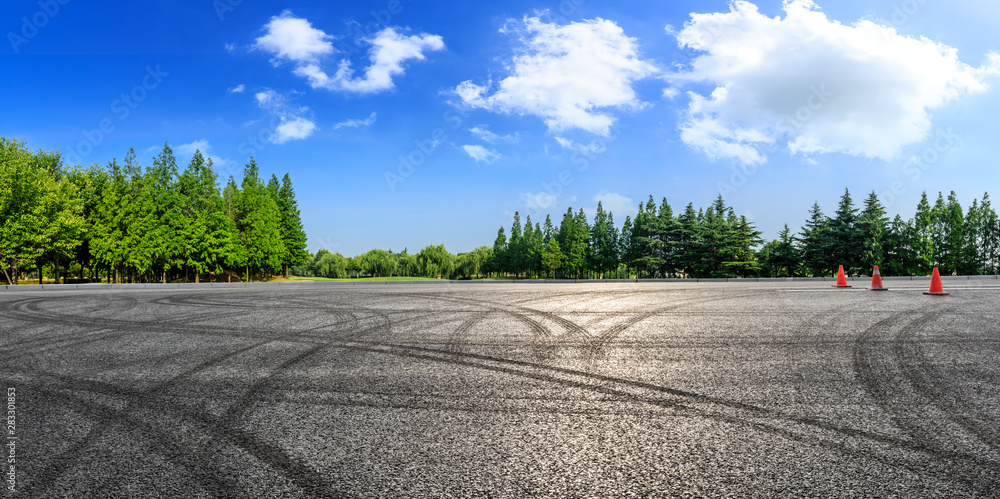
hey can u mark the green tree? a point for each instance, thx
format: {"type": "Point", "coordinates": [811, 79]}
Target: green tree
{"type": "Point", "coordinates": [379, 263]}
{"type": "Point", "coordinates": [498, 261]}
{"type": "Point", "coordinates": [873, 226]}
{"type": "Point", "coordinates": [293, 235]}
{"type": "Point", "coordinates": [40, 212]}
{"type": "Point", "coordinates": [646, 250]}
{"type": "Point", "coordinates": [603, 242]}
{"type": "Point", "coordinates": [688, 243]}
{"type": "Point", "coordinates": [815, 243]}
{"type": "Point", "coordinates": [989, 237]}
{"type": "Point", "coordinates": [259, 223]}
{"type": "Point", "coordinates": [90, 184]}
{"type": "Point", "coordinates": [332, 265]}
{"type": "Point", "coordinates": [434, 261]}
{"type": "Point", "coordinates": [923, 237]}
{"type": "Point", "coordinates": [783, 259]}
{"type": "Point", "coordinates": [552, 258]}
{"type": "Point", "coordinates": [572, 239]}
{"type": "Point", "coordinates": [207, 233]}
{"type": "Point", "coordinates": [844, 237]}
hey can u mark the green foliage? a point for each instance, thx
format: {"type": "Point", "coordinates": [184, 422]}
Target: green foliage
{"type": "Point", "coordinates": [379, 263]}
{"type": "Point", "coordinates": [139, 224]}
{"type": "Point", "coordinates": [434, 261]}
{"type": "Point", "coordinates": [41, 212]}
{"type": "Point", "coordinates": [259, 222]}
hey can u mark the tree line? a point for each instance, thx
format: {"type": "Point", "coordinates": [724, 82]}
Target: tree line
{"type": "Point", "coordinates": [434, 261]}
{"type": "Point", "coordinates": [943, 235]}
{"type": "Point", "coordinates": [709, 242]}
{"type": "Point", "coordinates": [136, 224]}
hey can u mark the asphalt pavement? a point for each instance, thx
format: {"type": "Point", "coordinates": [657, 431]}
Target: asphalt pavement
{"type": "Point", "coordinates": [503, 390]}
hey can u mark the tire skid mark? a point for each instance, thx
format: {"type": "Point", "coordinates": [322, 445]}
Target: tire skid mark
{"type": "Point", "coordinates": [220, 428]}
{"type": "Point", "coordinates": [66, 339]}
{"type": "Point", "coordinates": [454, 341]}
{"type": "Point", "coordinates": [922, 376]}
{"type": "Point", "coordinates": [874, 370]}
{"type": "Point", "coordinates": [106, 419]}
{"type": "Point", "coordinates": [519, 313]}
{"type": "Point", "coordinates": [129, 326]}
{"type": "Point", "coordinates": [546, 373]}
{"type": "Point", "coordinates": [265, 452]}
{"type": "Point", "coordinates": [112, 417]}
{"type": "Point", "coordinates": [299, 473]}
{"type": "Point", "coordinates": [598, 342]}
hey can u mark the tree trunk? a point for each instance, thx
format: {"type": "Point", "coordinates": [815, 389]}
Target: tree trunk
{"type": "Point", "coordinates": [286, 271]}
{"type": "Point", "coordinates": [39, 274]}
{"type": "Point", "coordinates": [117, 276]}
{"type": "Point", "coordinates": [247, 275]}
{"type": "Point", "coordinates": [164, 276]}
{"type": "Point", "coordinates": [197, 276]}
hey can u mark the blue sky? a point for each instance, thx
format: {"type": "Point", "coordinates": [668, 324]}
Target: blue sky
{"type": "Point", "coordinates": [407, 123]}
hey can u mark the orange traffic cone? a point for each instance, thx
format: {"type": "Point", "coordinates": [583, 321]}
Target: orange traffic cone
{"type": "Point", "coordinates": [841, 279]}
{"type": "Point", "coordinates": [936, 288]}
{"type": "Point", "coordinates": [877, 281]}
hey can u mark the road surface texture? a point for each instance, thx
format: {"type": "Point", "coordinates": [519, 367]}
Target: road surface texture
{"type": "Point", "coordinates": [607, 389]}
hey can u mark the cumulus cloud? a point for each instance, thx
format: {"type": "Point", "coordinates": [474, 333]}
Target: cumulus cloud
{"type": "Point", "coordinates": [570, 75]}
{"type": "Point", "coordinates": [292, 121]}
{"type": "Point", "coordinates": [355, 123]}
{"type": "Point", "coordinates": [813, 84]}
{"type": "Point", "coordinates": [294, 129]}
{"type": "Point", "coordinates": [539, 201]}
{"type": "Point", "coordinates": [487, 136]}
{"type": "Point", "coordinates": [480, 153]}
{"type": "Point", "coordinates": [616, 204]}
{"type": "Point", "coordinates": [389, 51]}
{"type": "Point", "coordinates": [294, 39]}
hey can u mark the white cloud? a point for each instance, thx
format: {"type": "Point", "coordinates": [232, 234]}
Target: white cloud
{"type": "Point", "coordinates": [369, 121]}
{"type": "Point", "coordinates": [294, 129]}
{"type": "Point", "coordinates": [229, 47]}
{"type": "Point", "coordinates": [568, 75]}
{"type": "Point", "coordinates": [292, 124]}
{"type": "Point", "coordinates": [589, 150]}
{"type": "Point", "coordinates": [294, 39]}
{"type": "Point", "coordinates": [487, 136]}
{"type": "Point", "coordinates": [813, 84]}
{"type": "Point", "coordinates": [616, 204]}
{"type": "Point", "coordinates": [189, 149]}
{"type": "Point", "coordinates": [389, 51]}
{"type": "Point", "coordinates": [238, 89]}
{"type": "Point", "coordinates": [480, 153]}
{"type": "Point", "coordinates": [205, 148]}
{"type": "Point", "coordinates": [539, 201]}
